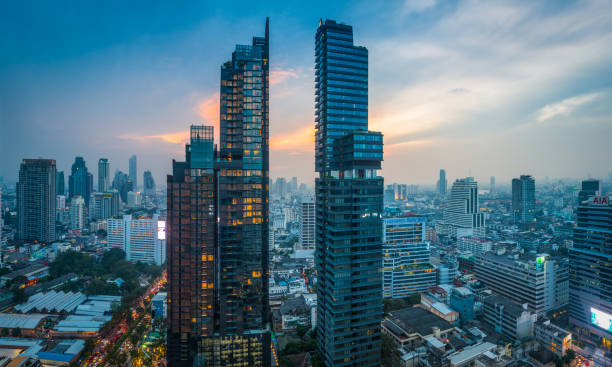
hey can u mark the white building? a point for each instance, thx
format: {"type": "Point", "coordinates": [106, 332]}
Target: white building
{"type": "Point", "coordinates": [474, 245]}
{"type": "Point", "coordinates": [142, 239]}
{"type": "Point", "coordinates": [77, 213]}
{"type": "Point", "coordinates": [307, 225]}
{"type": "Point", "coordinates": [462, 215]}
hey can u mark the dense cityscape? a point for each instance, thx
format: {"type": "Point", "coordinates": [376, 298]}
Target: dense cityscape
{"type": "Point", "coordinates": [227, 263]}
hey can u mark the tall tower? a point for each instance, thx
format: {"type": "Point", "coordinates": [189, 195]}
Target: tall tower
{"type": "Point", "coordinates": [103, 175]}
{"type": "Point", "coordinates": [36, 200]}
{"type": "Point", "coordinates": [80, 181]}
{"type": "Point", "coordinates": [349, 203]}
{"type": "Point", "coordinates": [442, 183]}
{"type": "Point", "coordinates": [218, 226]}
{"type": "Point", "coordinates": [133, 172]}
{"type": "Point", "coordinates": [523, 199]}
{"type": "Point", "coordinates": [492, 190]}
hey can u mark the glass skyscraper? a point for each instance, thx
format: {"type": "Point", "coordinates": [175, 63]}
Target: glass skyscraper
{"type": "Point", "coordinates": [80, 181]}
{"type": "Point", "coordinates": [349, 204]}
{"type": "Point", "coordinates": [218, 227]}
{"type": "Point", "coordinates": [36, 200]}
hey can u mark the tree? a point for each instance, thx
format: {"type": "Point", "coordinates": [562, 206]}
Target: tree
{"type": "Point", "coordinates": [390, 304]}
{"type": "Point", "coordinates": [301, 331]}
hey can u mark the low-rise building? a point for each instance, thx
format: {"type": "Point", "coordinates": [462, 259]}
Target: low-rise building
{"type": "Point", "coordinates": [410, 327]}
{"type": "Point", "coordinates": [508, 318]}
{"type": "Point", "coordinates": [552, 337]}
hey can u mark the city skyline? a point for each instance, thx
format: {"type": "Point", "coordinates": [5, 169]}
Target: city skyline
{"type": "Point", "coordinates": [139, 85]}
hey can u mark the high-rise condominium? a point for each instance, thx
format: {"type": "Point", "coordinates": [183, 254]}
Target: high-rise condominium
{"type": "Point", "coordinates": [523, 199]}
{"type": "Point", "coordinates": [218, 226]}
{"type": "Point", "coordinates": [103, 175]}
{"type": "Point", "coordinates": [80, 181]}
{"type": "Point", "coordinates": [442, 183]}
{"type": "Point", "coordinates": [462, 215]}
{"type": "Point", "coordinates": [36, 200]}
{"type": "Point", "coordinates": [134, 171]}
{"type": "Point", "coordinates": [349, 200]}
{"type": "Point", "coordinates": [590, 303]}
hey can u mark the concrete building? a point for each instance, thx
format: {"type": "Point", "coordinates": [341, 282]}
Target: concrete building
{"type": "Point", "coordinates": [552, 337]}
{"type": "Point", "coordinates": [77, 213]}
{"type": "Point", "coordinates": [462, 300]}
{"type": "Point", "coordinates": [142, 239]}
{"type": "Point", "coordinates": [411, 327]}
{"type": "Point", "coordinates": [508, 318]}
{"type": "Point", "coordinates": [307, 224]}
{"type": "Point", "coordinates": [475, 245]}
{"type": "Point", "coordinates": [462, 215]}
{"type": "Point", "coordinates": [540, 281]}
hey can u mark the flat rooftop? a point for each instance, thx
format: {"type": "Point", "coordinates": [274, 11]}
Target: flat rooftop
{"type": "Point", "coordinates": [417, 320]}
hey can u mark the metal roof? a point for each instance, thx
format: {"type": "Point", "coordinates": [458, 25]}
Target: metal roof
{"type": "Point", "coordinates": [13, 320]}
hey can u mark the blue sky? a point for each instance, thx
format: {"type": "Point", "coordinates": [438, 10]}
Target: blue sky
{"type": "Point", "coordinates": [479, 88]}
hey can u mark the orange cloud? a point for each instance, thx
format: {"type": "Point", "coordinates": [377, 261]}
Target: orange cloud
{"type": "Point", "coordinates": [179, 137]}
{"type": "Point", "coordinates": [301, 140]}
{"type": "Point", "coordinates": [208, 110]}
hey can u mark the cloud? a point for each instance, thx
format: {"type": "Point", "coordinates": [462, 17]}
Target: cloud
{"type": "Point", "coordinates": [297, 141]}
{"type": "Point", "coordinates": [564, 107]}
{"type": "Point", "coordinates": [278, 76]}
{"type": "Point", "coordinates": [418, 6]}
{"type": "Point", "coordinates": [208, 110]}
{"type": "Point", "coordinates": [179, 137]}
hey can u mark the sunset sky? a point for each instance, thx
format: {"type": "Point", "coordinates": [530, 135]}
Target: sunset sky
{"type": "Point", "coordinates": [480, 88]}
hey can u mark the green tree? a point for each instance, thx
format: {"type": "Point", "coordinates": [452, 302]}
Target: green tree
{"type": "Point", "coordinates": [390, 304]}
{"type": "Point", "coordinates": [301, 331]}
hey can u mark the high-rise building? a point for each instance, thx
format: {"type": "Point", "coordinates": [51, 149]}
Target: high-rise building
{"type": "Point", "coordinates": [281, 187]}
{"type": "Point", "coordinates": [541, 281]}
{"type": "Point", "coordinates": [307, 224]}
{"type": "Point", "coordinates": [142, 239]}
{"type": "Point", "coordinates": [442, 183]}
{"type": "Point", "coordinates": [218, 249]}
{"type": "Point", "coordinates": [123, 184]}
{"type": "Point", "coordinates": [134, 171]}
{"type": "Point", "coordinates": [36, 200]}
{"type": "Point", "coordinates": [104, 205]}
{"type": "Point", "coordinates": [591, 271]}
{"type": "Point", "coordinates": [590, 187]}
{"type": "Point", "coordinates": [77, 213]}
{"type": "Point", "coordinates": [407, 266]}
{"type": "Point", "coordinates": [80, 181]}
{"type": "Point", "coordinates": [492, 190]}
{"type": "Point", "coordinates": [293, 185]}
{"type": "Point", "coordinates": [148, 183]}
{"type": "Point", "coordinates": [523, 199]}
{"type": "Point", "coordinates": [60, 183]}
{"type": "Point", "coordinates": [103, 175]}
{"type": "Point", "coordinates": [349, 203]}
{"type": "Point", "coordinates": [462, 214]}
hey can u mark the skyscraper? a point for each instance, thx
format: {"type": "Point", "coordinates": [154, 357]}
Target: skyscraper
{"type": "Point", "coordinates": [80, 181]}
{"type": "Point", "coordinates": [123, 184]}
{"type": "Point", "coordinates": [60, 183]}
{"type": "Point", "coordinates": [148, 183]}
{"type": "Point", "coordinates": [134, 171]}
{"type": "Point", "coordinates": [492, 190]}
{"type": "Point", "coordinates": [462, 214]}
{"type": "Point", "coordinates": [349, 200]}
{"type": "Point", "coordinates": [218, 248]}
{"type": "Point", "coordinates": [590, 187]}
{"type": "Point", "coordinates": [590, 303]}
{"type": "Point", "coordinates": [103, 175]}
{"type": "Point", "coordinates": [36, 200]}
{"type": "Point", "coordinates": [523, 199]}
{"type": "Point", "coordinates": [442, 183]}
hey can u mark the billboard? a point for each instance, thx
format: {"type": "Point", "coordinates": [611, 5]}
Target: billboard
{"type": "Point", "coordinates": [161, 230]}
{"type": "Point", "coordinates": [601, 319]}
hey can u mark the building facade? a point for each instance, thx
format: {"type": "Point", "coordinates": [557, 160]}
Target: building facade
{"type": "Point", "coordinates": [77, 213]}
{"type": "Point", "coordinates": [103, 175]}
{"type": "Point", "coordinates": [142, 239]}
{"type": "Point", "coordinates": [349, 203]}
{"type": "Point", "coordinates": [36, 200]}
{"type": "Point", "coordinates": [591, 272]}
{"type": "Point", "coordinates": [406, 257]}
{"type": "Point", "coordinates": [513, 320]}
{"type": "Point", "coordinates": [103, 205]}
{"type": "Point", "coordinates": [523, 199]}
{"type": "Point", "coordinates": [307, 224]}
{"type": "Point", "coordinates": [462, 215]}
{"type": "Point", "coordinates": [133, 171]}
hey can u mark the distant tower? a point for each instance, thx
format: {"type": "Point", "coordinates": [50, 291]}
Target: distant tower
{"type": "Point", "coordinates": [80, 181]}
{"type": "Point", "coordinates": [134, 172]}
{"type": "Point", "coordinates": [492, 186]}
{"type": "Point", "coordinates": [103, 175]}
{"type": "Point", "coordinates": [523, 199]}
{"type": "Point", "coordinates": [60, 183]}
{"type": "Point", "coordinates": [442, 183]}
{"type": "Point", "coordinates": [148, 183]}
{"type": "Point", "coordinates": [36, 200]}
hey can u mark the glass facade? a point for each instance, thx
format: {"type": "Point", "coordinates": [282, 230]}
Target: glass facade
{"type": "Point", "coordinates": [349, 204]}
{"type": "Point", "coordinates": [218, 227]}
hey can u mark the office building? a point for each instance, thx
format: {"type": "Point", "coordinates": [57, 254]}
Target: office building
{"type": "Point", "coordinates": [442, 183]}
{"type": "Point", "coordinates": [142, 239]}
{"type": "Point", "coordinates": [148, 183]}
{"type": "Point", "coordinates": [218, 305]}
{"type": "Point", "coordinates": [60, 183]}
{"type": "Point", "coordinates": [349, 200]}
{"type": "Point", "coordinates": [406, 257]}
{"type": "Point", "coordinates": [462, 216]}
{"type": "Point", "coordinates": [77, 213]}
{"type": "Point", "coordinates": [540, 281]}
{"type": "Point", "coordinates": [307, 224]}
{"type": "Point", "coordinates": [588, 188]}
{"type": "Point", "coordinates": [104, 205]}
{"type": "Point", "coordinates": [103, 175]}
{"type": "Point", "coordinates": [80, 181]}
{"type": "Point", "coordinates": [523, 199]}
{"type": "Point", "coordinates": [590, 306]}
{"type": "Point", "coordinates": [36, 200]}
{"type": "Point", "coordinates": [492, 190]}
{"type": "Point", "coordinates": [514, 321]}
{"type": "Point", "coordinates": [133, 171]}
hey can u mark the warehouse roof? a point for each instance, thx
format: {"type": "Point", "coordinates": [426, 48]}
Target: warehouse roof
{"type": "Point", "coordinates": [52, 302]}
{"type": "Point", "coordinates": [13, 320]}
